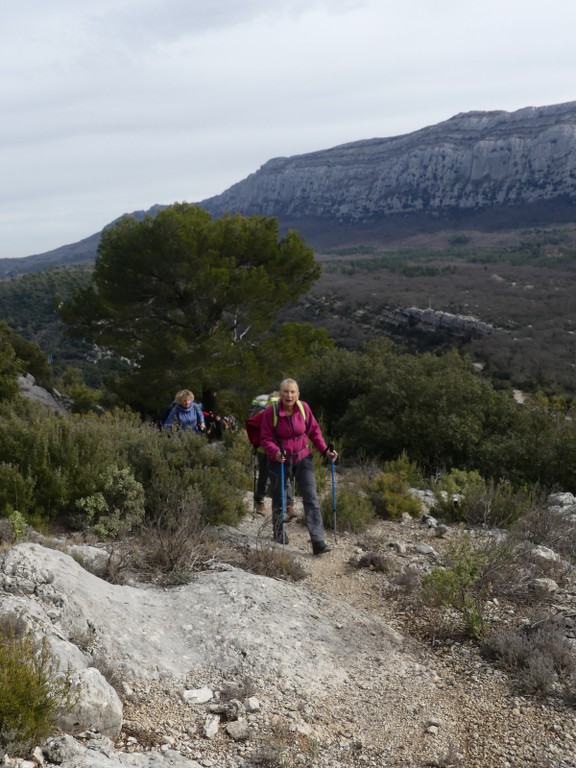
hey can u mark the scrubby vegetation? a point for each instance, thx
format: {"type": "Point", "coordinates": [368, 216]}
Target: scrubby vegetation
{"type": "Point", "coordinates": [400, 421]}
{"type": "Point", "coordinates": [32, 692]}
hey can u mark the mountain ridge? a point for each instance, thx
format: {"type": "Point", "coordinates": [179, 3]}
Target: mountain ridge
{"type": "Point", "coordinates": [470, 168]}
{"type": "Point", "coordinates": [491, 170]}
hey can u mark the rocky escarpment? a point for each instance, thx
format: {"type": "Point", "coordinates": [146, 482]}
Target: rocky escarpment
{"type": "Point", "coordinates": [500, 169]}
{"type": "Point", "coordinates": [475, 161]}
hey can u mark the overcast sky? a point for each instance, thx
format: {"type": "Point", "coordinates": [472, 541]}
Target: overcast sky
{"type": "Point", "coordinates": [111, 106]}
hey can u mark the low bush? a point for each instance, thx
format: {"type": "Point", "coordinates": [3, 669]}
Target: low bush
{"type": "Point", "coordinates": [174, 543]}
{"type": "Point", "coordinates": [374, 561]}
{"type": "Point", "coordinates": [32, 695]}
{"type": "Point", "coordinates": [460, 585]}
{"type": "Point", "coordinates": [354, 511]}
{"type": "Point", "coordinates": [539, 655]}
{"type": "Point", "coordinates": [274, 562]}
{"type": "Point", "coordinates": [408, 470]}
{"type": "Point", "coordinates": [99, 470]}
{"type": "Point", "coordinates": [553, 529]}
{"type": "Point", "coordinates": [116, 506]}
{"type": "Point", "coordinates": [465, 496]}
{"type": "Point", "coordinates": [390, 496]}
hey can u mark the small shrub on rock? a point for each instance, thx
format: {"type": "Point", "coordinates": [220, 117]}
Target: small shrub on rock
{"type": "Point", "coordinates": [374, 561]}
{"type": "Point", "coordinates": [390, 496]}
{"type": "Point", "coordinates": [173, 543]}
{"type": "Point", "coordinates": [32, 696]}
{"type": "Point", "coordinates": [549, 528]}
{"type": "Point", "coordinates": [460, 584]}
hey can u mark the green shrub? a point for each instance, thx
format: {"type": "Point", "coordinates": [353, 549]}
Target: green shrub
{"type": "Point", "coordinates": [390, 496]}
{"type": "Point", "coordinates": [354, 511]}
{"type": "Point", "coordinates": [185, 462]}
{"type": "Point", "coordinates": [18, 524]}
{"type": "Point", "coordinates": [467, 497]}
{"type": "Point", "coordinates": [406, 469]}
{"type": "Point", "coordinates": [460, 584]}
{"type": "Point", "coordinates": [117, 507]}
{"type": "Point", "coordinates": [92, 468]}
{"type": "Point", "coordinates": [16, 491]}
{"type": "Point", "coordinates": [32, 696]}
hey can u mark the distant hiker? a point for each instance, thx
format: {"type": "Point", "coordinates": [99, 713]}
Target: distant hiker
{"type": "Point", "coordinates": [184, 413]}
{"type": "Point", "coordinates": [253, 428]}
{"type": "Point", "coordinates": [215, 429]}
{"type": "Point", "coordinates": [286, 427]}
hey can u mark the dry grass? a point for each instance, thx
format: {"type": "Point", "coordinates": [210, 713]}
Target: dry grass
{"type": "Point", "coordinates": [272, 561]}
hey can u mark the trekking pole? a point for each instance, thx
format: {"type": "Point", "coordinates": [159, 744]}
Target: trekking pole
{"type": "Point", "coordinates": [254, 463]}
{"type": "Point", "coordinates": [283, 508]}
{"type": "Point", "coordinates": [331, 448]}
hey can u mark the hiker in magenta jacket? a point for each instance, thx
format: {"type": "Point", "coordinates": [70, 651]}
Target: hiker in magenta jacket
{"type": "Point", "coordinates": [286, 444]}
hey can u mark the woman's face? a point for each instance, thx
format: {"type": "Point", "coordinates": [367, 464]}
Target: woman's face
{"type": "Point", "coordinates": [186, 402]}
{"type": "Point", "coordinates": [289, 395]}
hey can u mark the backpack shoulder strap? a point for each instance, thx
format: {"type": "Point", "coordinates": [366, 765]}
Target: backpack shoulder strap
{"type": "Point", "coordinates": [275, 412]}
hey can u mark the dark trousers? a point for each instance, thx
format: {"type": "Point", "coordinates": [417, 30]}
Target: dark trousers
{"type": "Point", "coordinates": [303, 473]}
{"type": "Point", "coordinates": [262, 481]}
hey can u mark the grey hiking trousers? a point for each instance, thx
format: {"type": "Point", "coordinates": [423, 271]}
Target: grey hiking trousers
{"type": "Point", "coordinates": [303, 473]}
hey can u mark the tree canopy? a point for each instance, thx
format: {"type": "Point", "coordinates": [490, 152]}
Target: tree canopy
{"type": "Point", "coordinates": [189, 301]}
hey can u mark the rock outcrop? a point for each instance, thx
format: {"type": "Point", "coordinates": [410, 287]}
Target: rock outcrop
{"type": "Point", "coordinates": [233, 668]}
{"type": "Point", "coordinates": [54, 400]}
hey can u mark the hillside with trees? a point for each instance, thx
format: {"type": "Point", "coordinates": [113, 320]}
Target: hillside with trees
{"type": "Point", "coordinates": [522, 286]}
{"type": "Point", "coordinates": [181, 299]}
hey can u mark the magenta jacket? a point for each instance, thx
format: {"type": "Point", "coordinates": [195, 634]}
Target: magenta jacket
{"type": "Point", "coordinates": [291, 433]}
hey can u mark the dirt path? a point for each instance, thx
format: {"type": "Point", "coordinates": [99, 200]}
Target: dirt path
{"type": "Point", "coordinates": [450, 707]}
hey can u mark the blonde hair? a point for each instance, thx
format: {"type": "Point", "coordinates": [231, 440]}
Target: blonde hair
{"type": "Point", "coordinates": [289, 383]}
{"type": "Point", "coordinates": [184, 394]}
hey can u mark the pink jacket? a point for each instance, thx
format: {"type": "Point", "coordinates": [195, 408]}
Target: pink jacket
{"type": "Point", "coordinates": [291, 433]}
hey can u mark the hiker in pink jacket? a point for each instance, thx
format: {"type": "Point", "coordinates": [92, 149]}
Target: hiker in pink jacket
{"type": "Point", "coordinates": [287, 428]}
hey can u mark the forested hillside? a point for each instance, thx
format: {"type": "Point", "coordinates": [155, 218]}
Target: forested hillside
{"type": "Point", "coordinates": [29, 304]}
{"type": "Point", "coordinates": [524, 290]}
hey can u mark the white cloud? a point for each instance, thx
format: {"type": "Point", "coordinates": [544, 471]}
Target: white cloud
{"type": "Point", "coordinates": [113, 106]}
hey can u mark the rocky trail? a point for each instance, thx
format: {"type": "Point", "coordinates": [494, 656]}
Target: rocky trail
{"type": "Point", "coordinates": [236, 670]}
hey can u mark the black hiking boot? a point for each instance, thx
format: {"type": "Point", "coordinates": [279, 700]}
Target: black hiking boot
{"type": "Point", "coordinates": [281, 537]}
{"type": "Point", "coordinates": [278, 529]}
{"type": "Point", "coordinates": [320, 547]}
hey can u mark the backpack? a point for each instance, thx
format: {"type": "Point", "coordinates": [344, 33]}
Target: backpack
{"type": "Point", "coordinates": [258, 404]}
{"type": "Point", "coordinates": [164, 415]}
{"type": "Point", "coordinates": [254, 422]}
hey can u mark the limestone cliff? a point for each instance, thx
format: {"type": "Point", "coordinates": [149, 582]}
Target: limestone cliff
{"type": "Point", "coordinates": [473, 162]}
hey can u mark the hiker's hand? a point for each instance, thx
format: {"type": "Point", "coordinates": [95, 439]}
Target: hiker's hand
{"type": "Point", "coordinates": [280, 456]}
{"type": "Point", "coordinates": [332, 455]}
